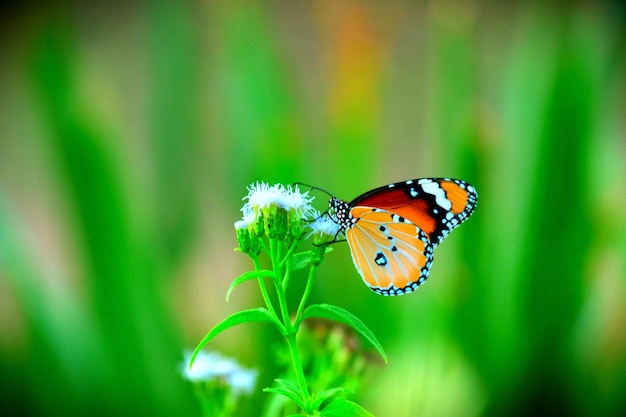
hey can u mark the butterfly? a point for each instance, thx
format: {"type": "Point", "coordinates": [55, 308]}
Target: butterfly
{"type": "Point", "coordinates": [393, 230]}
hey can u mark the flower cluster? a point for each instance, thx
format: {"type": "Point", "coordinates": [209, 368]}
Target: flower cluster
{"type": "Point", "coordinates": [280, 212]}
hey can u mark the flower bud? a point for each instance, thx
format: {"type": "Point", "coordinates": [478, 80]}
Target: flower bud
{"type": "Point", "coordinates": [247, 239]}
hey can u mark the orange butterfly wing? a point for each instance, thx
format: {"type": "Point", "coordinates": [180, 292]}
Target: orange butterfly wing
{"type": "Point", "coordinates": [392, 254]}
{"type": "Point", "coordinates": [435, 205]}
{"type": "Point", "coordinates": [393, 230]}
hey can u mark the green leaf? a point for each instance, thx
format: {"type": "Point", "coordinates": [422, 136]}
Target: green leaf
{"type": "Point", "coordinates": [252, 315]}
{"type": "Point", "coordinates": [300, 260]}
{"type": "Point", "coordinates": [341, 407]}
{"type": "Point", "coordinates": [322, 396]}
{"type": "Point", "coordinates": [288, 385]}
{"type": "Point", "coordinates": [289, 390]}
{"type": "Point", "coordinates": [248, 276]}
{"type": "Point", "coordinates": [331, 312]}
{"type": "Point", "coordinates": [287, 393]}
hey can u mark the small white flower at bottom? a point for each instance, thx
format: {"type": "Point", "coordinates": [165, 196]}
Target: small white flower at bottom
{"type": "Point", "coordinates": [209, 366]}
{"type": "Point", "coordinates": [243, 381]}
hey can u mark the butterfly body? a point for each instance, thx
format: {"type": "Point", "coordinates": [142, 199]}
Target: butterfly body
{"type": "Point", "coordinates": [393, 230]}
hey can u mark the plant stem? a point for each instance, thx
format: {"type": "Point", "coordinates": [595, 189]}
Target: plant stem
{"type": "Point", "coordinates": [292, 248]}
{"type": "Point", "coordinates": [278, 282]}
{"type": "Point", "coordinates": [282, 300]}
{"type": "Point", "coordinates": [286, 277]}
{"type": "Point", "coordinates": [285, 262]}
{"type": "Point", "coordinates": [290, 330]}
{"type": "Point", "coordinates": [305, 296]}
{"type": "Point", "coordinates": [297, 366]}
{"type": "Point", "coordinates": [264, 293]}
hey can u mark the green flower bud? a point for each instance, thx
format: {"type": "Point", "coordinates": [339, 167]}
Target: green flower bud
{"type": "Point", "coordinates": [296, 228]}
{"type": "Point", "coordinates": [276, 223]}
{"type": "Point", "coordinates": [317, 254]}
{"type": "Point", "coordinates": [248, 241]}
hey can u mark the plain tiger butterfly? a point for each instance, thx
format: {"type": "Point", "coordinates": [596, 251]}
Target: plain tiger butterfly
{"type": "Point", "coordinates": [393, 230]}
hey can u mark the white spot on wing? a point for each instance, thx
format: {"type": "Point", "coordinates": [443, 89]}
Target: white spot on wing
{"type": "Point", "coordinates": [440, 195]}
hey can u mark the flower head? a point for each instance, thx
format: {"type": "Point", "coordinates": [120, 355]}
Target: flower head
{"type": "Point", "coordinates": [241, 224]}
{"type": "Point", "coordinates": [275, 210]}
{"type": "Point", "coordinates": [248, 240]}
{"type": "Point", "coordinates": [324, 226]}
{"type": "Point", "coordinates": [211, 366]}
{"type": "Point", "coordinates": [262, 196]}
{"type": "Point", "coordinates": [299, 202]}
{"type": "Point", "coordinates": [323, 229]}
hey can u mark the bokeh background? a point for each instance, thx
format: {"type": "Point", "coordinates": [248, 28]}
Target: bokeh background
{"type": "Point", "coordinates": [130, 130]}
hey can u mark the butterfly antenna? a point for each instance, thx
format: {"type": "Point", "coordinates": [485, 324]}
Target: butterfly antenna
{"type": "Point", "coordinates": [313, 187]}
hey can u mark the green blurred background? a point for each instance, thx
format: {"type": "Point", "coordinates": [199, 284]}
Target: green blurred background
{"type": "Point", "coordinates": [129, 131]}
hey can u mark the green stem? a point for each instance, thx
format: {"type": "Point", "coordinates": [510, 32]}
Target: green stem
{"type": "Point", "coordinates": [282, 300]}
{"type": "Point", "coordinates": [264, 246]}
{"type": "Point", "coordinates": [282, 272]}
{"type": "Point", "coordinates": [305, 296]}
{"type": "Point", "coordinates": [275, 256]}
{"type": "Point", "coordinates": [278, 282]}
{"type": "Point", "coordinates": [288, 265]}
{"type": "Point", "coordinates": [290, 333]}
{"type": "Point", "coordinates": [272, 254]}
{"type": "Point", "coordinates": [297, 366]}
{"type": "Point", "coordinates": [266, 296]}
{"type": "Point", "coordinates": [292, 248]}
{"type": "Point", "coordinates": [286, 277]}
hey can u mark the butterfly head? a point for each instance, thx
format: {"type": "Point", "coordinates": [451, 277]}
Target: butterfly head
{"type": "Point", "coordinates": [342, 215]}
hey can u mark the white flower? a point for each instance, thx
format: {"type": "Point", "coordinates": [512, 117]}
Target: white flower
{"type": "Point", "coordinates": [262, 195]}
{"type": "Point", "coordinates": [243, 381]}
{"type": "Point", "coordinates": [241, 224]}
{"type": "Point", "coordinates": [299, 201]}
{"type": "Point", "coordinates": [323, 226]}
{"type": "Point", "coordinates": [209, 366]}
